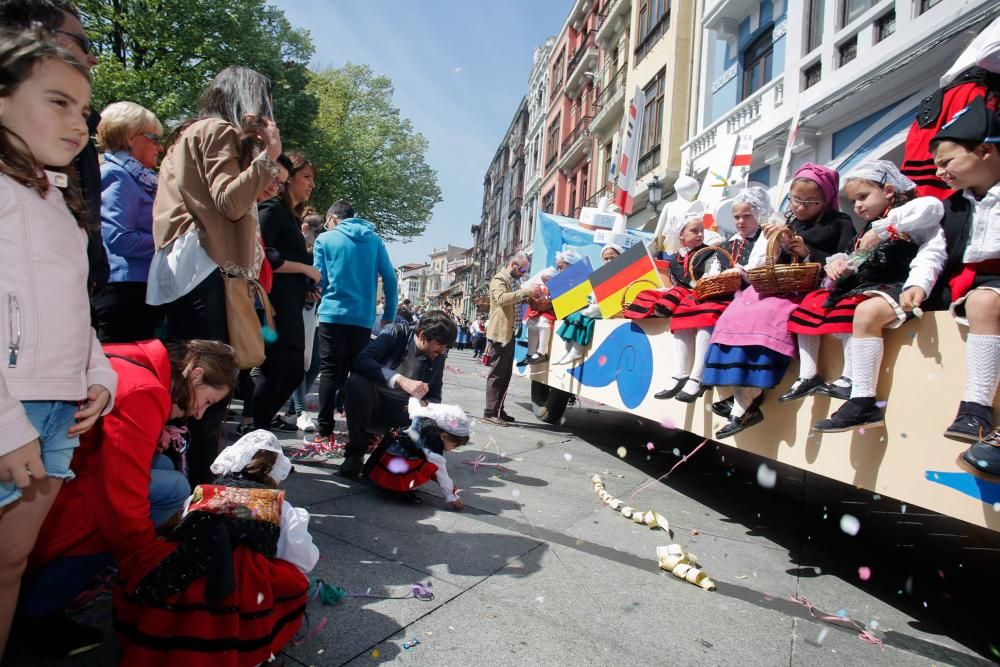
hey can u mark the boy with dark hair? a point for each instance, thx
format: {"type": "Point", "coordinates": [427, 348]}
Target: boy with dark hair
{"type": "Point", "coordinates": [967, 156]}
{"type": "Point", "coordinates": [402, 362]}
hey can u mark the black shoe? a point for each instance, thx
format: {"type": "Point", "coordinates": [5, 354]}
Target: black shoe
{"type": "Point", "coordinates": [351, 467]}
{"type": "Point", "coordinates": [984, 456]}
{"type": "Point", "coordinates": [671, 392]}
{"type": "Point", "coordinates": [854, 414]}
{"type": "Point", "coordinates": [737, 424]}
{"type": "Point", "coordinates": [724, 408]}
{"type": "Point", "coordinates": [412, 497]}
{"type": "Point", "coordinates": [835, 390]}
{"type": "Point", "coordinates": [243, 429]}
{"type": "Point", "coordinates": [685, 397]}
{"type": "Point", "coordinates": [56, 636]}
{"type": "Point", "coordinates": [537, 358]}
{"type": "Point", "coordinates": [801, 388]}
{"type": "Point", "coordinates": [507, 418]}
{"type": "Point", "coordinates": [524, 362]}
{"type": "Point", "coordinates": [974, 422]}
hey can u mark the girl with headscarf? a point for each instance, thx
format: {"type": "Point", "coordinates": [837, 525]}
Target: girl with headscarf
{"type": "Point", "coordinates": [897, 258]}
{"type": "Point", "coordinates": [409, 458]}
{"type": "Point", "coordinates": [540, 322]}
{"type": "Point", "coordinates": [691, 319]}
{"type": "Point", "coordinates": [751, 346]}
{"type": "Point", "coordinates": [228, 586]}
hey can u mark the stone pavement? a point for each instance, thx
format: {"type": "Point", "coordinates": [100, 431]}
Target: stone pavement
{"type": "Point", "coordinates": [537, 571]}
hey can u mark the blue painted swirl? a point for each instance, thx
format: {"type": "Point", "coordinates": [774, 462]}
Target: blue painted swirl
{"type": "Point", "coordinates": [626, 357]}
{"type": "Point", "coordinates": [967, 483]}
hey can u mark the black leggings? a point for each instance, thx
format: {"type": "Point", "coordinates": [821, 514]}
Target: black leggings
{"type": "Point", "coordinates": [284, 366]}
{"type": "Point", "coordinates": [201, 313]}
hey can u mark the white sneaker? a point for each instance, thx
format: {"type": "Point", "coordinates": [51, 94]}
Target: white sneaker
{"type": "Point", "coordinates": [305, 422]}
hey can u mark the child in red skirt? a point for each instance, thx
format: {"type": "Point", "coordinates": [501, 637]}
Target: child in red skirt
{"type": "Point", "coordinates": [407, 459]}
{"type": "Point", "coordinates": [539, 322]}
{"type": "Point", "coordinates": [897, 259]}
{"type": "Point", "coordinates": [227, 588]}
{"type": "Point", "coordinates": [691, 318]}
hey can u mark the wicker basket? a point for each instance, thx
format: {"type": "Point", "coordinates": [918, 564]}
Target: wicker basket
{"type": "Point", "coordinates": [784, 278]}
{"type": "Point", "coordinates": [720, 284]}
{"type": "Point", "coordinates": [625, 295]}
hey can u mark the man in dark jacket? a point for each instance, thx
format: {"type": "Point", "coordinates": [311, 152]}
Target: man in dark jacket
{"type": "Point", "coordinates": [401, 362]}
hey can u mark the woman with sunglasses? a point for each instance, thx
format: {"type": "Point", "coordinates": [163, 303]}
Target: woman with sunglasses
{"type": "Point", "coordinates": [130, 136]}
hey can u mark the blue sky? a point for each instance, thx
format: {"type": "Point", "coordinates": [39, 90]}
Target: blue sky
{"type": "Point", "coordinates": [459, 68]}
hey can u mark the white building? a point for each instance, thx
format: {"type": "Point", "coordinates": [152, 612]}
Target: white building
{"type": "Point", "coordinates": [537, 100]}
{"type": "Point", "coordinates": [855, 70]}
{"type": "Point", "coordinates": [412, 280]}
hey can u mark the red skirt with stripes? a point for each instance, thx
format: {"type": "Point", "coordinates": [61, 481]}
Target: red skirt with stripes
{"type": "Point", "coordinates": [813, 318]}
{"type": "Point", "coordinates": [396, 473]}
{"type": "Point", "coordinates": [256, 620]}
{"type": "Point", "coordinates": [691, 313]}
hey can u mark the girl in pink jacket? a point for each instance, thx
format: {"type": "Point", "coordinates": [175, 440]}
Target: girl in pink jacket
{"type": "Point", "coordinates": [54, 379]}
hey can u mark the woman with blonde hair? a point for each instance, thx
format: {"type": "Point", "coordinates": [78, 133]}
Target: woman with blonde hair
{"type": "Point", "coordinates": [130, 137]}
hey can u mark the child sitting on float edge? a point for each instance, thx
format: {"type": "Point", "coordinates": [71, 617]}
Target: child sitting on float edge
{"type": "Point", "coordinates": [897, 258]}
{"type": "Point", "coordinates": [539, 322]}
{"type": "Point", "coordinates": [967, 156]}
{"type": "Point", "coordinates": [407, 459]}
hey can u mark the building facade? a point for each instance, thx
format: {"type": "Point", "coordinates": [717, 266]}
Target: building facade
{"type": "Point", "coordinates": [498, 231]}
{"type": "Point", "coordinates": [853, 70]}
{"type": "Point", "coordinates": [538, 97]}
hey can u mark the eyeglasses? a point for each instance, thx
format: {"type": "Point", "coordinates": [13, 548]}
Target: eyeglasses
{"type": "Point", "coordinates": [82, 40]}
{"type": "Point", "coordinates": [804, 203]}
{"type": "Point", "coordinates": [153, 136]}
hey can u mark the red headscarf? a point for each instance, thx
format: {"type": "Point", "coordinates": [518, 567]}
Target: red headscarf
{"type": "Point", "coordinates": [827, 179]}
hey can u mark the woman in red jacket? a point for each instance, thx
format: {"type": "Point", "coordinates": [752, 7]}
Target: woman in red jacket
{"type": "Point", "coordinates": [127, 485]}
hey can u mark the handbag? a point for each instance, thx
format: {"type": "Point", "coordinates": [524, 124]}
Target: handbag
{"type": "Point", "coordinates": [247, 310]}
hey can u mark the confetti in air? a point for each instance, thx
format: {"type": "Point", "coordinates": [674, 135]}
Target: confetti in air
{"type": "Point", "coordinates": [766, 476]}
{"type": "Point", "coordinates": [864, 573]}
{"type": "Point", "coordinates": [668, 424]}
{"type": "Point", "coordinates": [397, 466]}
{"type": "Point", "coordinates": [677, 452]}
{"type": "Point", "coordinates": [515, 493]}
{"type": "Point", "coordinates": [850, 524]}
{"type": "Point", "coordinates": [457, 70]}
{"type": "Point", "coordinates": [568, 456]}
{"type": "Point", "coordinates": [260, 599]}
{"type": "Point", "coordinates": [601, 360]}
{"type": "Point", "coordinates": [650, 446]}
{"type": "Point", "coordinates": [622, 452]}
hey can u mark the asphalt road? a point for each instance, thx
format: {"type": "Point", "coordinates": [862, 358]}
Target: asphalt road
{"type": "Point", "coordinates": [538, 571]}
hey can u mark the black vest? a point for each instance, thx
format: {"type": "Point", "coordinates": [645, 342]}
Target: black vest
{"type": "Point", "coordinates": [957, 225]}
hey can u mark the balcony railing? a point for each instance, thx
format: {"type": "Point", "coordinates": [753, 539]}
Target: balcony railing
{"type": "Point", "coordinates": [515, 205]}
{"type": "Point", "coordinates": [596, 197]}
{"type": "Point", "coordinates": [608, 90]}
{"type": "Point", "coordinates": [581, 130]}
{"type": "Point", "coordinates": [763, 107]}
{"type": "Point", "coordinates": [589, 42]}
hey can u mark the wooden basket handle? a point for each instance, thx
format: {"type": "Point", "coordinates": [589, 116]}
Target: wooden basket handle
{"type": "Point", "coordinates": [711, 248]}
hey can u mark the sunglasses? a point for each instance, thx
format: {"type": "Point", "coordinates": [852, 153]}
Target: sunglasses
{"type": "Point", "coordinates": [82, 40]}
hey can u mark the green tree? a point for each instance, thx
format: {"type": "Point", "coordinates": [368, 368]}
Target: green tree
{"type": "Point", "coordinates": [367, 153]}
{"type": "Point", "coordinates": [162, 53]}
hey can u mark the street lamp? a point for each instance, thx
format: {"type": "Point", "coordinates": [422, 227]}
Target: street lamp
{"type": "Point", "coordinates": [655, 191]}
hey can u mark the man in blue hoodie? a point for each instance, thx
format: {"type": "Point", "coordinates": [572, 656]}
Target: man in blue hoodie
{"type": "Point", "coordinates": [350, 258]}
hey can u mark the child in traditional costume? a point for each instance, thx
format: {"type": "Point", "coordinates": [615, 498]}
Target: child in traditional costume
{"type": "Point", "coordinates": [751, 346]}
{"type": "Point", "coordinates": [896, 260]}
{"type": "Point", "coordinates": [539, 322]}
{"type": "Point", "coordinates": [967, 154]}
{"type": "Point", "coordinates": [228, 586]}
{"type": "Point", "coordinates": [692, 319]}
{"type": "Point", "coordinates": [408, 459]}
{"type": "Point", "coordinates": [577, 328]}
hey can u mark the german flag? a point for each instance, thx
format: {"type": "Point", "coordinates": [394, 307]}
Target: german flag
{"type": "Point", "coordinates": [570, 288]}
{"type": "Point", "coordinates": [623, 278]}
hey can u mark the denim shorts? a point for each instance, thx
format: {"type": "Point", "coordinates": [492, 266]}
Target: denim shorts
{"type": "Point", "coordinates": [51, 419]}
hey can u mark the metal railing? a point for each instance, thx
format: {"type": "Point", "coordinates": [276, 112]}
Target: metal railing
{"type": "Point", "coordinates": [589, 42]}
{"type": "Point", "coordinates": [581, 130]}
{"type": "Point", "coordinates": [611, 88]}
